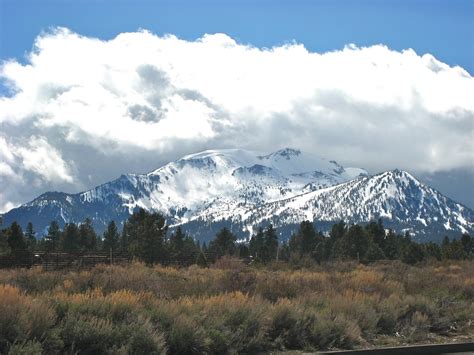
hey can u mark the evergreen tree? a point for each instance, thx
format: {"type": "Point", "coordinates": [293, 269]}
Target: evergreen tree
{"type": "Point", "coordinates": [189, 251]}
{"type": "Point", "coordinates": [53, 237]}
{"type": "Point", "coordinates": [201, 260]}
{"type": "Point", "coordinates": [358, 241]}
{"type": "Point", "coordinates": [305, 239]}
{"type": "Point", "coordinates": [374, 253]}
{"type": "Point", "coordinates": [70, 238]}
{"type": "Point", "coordinates": [271, 243]}
{"type": "Point", "coordinates": [16, 240]}
{"type": "Point", "coordinates": [457, 250]}
{"type": "Point", "coordinates": [4, 247]}
{"type": "Point", "coordinates": [294, 244]}
{"type": "Point", "coordinates": [319, 253]}
{"type": "Point", "coordinates": [146, 235]}
{"type": "Point", "coordinates": [256, 244]}
{"type": "Point", "coordinates": [124, 242]}
{"type": "Point", "coordinates": [30, 237]}
{"type": "Point", "coordinates": [376, 232]}
{"type": "Point", "coordinates": [412, 253]}
{"type": "Point", "coordinates": [284, 252]}
{"type": "Point", "coordinates": [467, 243]}
{"type": "Point", "coordinates": [336, 233]}
{"type": "Point", "coordinates": [223, 244]}
{"type": "Point", "coordinates": [433, 250]}
{"type": "Point", "coordinates": [207, 254]}
{"type": "Point", "coordinates": [87, 235]}
{"type": "Point", "coordinates": [244, 252]}
{"type": "Point", "coordinates": [308, 239]}
{"type": "Point", "coordinates": [446, 248]}
{"type": "Point", "coordinates": [111, 237]}
{"type": "Point", "coordinates": [176, 245]}
{"type": "Point", "coordinates": [338, 230]}
{"type": "Point", "coordinates": [392, 246]}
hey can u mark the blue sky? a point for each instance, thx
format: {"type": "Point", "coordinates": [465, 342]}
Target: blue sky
{"type": "Point", "coordinates": [442, 28]}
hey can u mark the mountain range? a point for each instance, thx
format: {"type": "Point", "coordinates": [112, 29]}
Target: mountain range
{"type": "Point", "coordinates": [243, 189]}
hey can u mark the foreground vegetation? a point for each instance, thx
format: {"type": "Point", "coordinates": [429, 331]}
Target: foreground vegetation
{"type": "Point", "coordinates": [234, 308]}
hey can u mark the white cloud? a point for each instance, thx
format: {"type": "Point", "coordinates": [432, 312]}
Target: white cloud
{"type": "Point", "coordinates": [27, 167]}
{"type": "Point", "coordinates": [45, 161]}
{"type": "Point", "coordinates": [141, 97]}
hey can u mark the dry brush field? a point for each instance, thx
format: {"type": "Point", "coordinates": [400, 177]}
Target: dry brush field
{"type": "Point", "coordinates": [233, 308]}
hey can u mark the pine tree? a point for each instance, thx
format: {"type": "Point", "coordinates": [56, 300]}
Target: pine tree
{"type": "Point", "coordinates": [307, 237]}
{"type": "Point", "coordinates": [146, 234]}
{"type": "Point", "coordinates": [391, 246]}
{"type": "Point", "coordinates": [124, 242]}
{"type": "Point", "coordinates": [457, 250]}
{"type": "Point", "coordinates": [319, 252]}
{"type": "Point", "coordinates": [70, 238]}
{"type": "Point", "coordinates": [256, 245]}
{"type": "Point", "coordinates": [467, 243]}
{"type": "Point", "coordinates": [87, 235]}
{"type": "Point", "coordinates": [271, 243]}
{"type": "Point", "coordinates": [223, 244]}
{"type": "Point", "coordinates": [4, 247]}
{"type": "Point", "coordinates": [446, 248]}
{"type": "Point", "coordinates": [176, 245]}
{"type": "Point", "coordinates": [412, 253]}
{"type": "Point", "coordinates": [376, 232]}
{"type": "Point", "coordinates": [190, 251]}
{"type": "Point", "coordinates": [111, 237]}
{"type": "Point", "coordinates": [30, 237]}
{"type": "Point", "coordinates": [244, 252]}
{"type": "Point", "coordinates": [284, 253]}
{"type": "Point", "coordinates": [201, 260]}
{"type": "Point", "coordinates": [53, 236]}
{"type": "Point", "coordinates": [16, 240]}
{"type": "Point", "coordinates": [433, 250]}
{"type": "Point", "coordinates": [374, 253]}
{"type": "Point", "coordinates": [338, 230]}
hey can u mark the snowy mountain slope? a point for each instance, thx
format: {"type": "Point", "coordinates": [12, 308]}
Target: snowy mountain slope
{"type": "Point", "coordinates": [397, 197]}
{"type": "Point", "coordinates": [243, 189]}
{"type": "Point", "coordinates": [197, 185]}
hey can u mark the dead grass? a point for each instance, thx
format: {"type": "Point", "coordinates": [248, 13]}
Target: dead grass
{"type": "Point", "coordinates": [233, 308]}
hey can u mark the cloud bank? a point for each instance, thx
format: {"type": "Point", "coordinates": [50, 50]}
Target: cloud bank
{"type": "Point", "coordinates": [83, 110]}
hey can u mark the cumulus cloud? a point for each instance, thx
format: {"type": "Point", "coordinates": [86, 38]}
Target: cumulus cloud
{"type": "Point", "coordinates": [138, 100]}
{"type": "Point", "coordinates": [28, 166]}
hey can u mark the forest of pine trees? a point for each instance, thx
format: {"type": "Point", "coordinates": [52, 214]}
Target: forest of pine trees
{"type": "Point", "coordinates": [145, 237]}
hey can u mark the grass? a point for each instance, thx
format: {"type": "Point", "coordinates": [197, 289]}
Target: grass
{"type": "Point", "coordinates": [233, 308]}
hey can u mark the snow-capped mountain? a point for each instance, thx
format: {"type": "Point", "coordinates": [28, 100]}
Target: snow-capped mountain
{"type": "Point", "coordinates": [243, 189]}
{"type": "Point", "coordinates": [403, 202]}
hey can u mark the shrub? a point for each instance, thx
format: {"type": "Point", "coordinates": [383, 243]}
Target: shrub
{"type": "Point", "coordinates": [30, 347]}
{"type": "Point", "coordinates": [334, 332]}
{"type": "Point", "coordinates": [144, 339]}
{"type": "Point", "coordinates": [284, 328]}
{"type": "Point", "coordinates": [22, 317]}
{"type": "Point", "coordinates": [187, 337]}
{"type": "Point", "coordinates": [239, 309]}
{"type": "Point", "coordinates": [86, 333]}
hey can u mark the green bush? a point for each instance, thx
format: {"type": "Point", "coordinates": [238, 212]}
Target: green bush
{"type": "Point", "coordinates": [144, 339]}
{"type": "Point", "coordinates": [86, 333]}
{"type": "Point", "coordinates": [187, 337]}
{"type": "Point", "coordinates": [30, 347]}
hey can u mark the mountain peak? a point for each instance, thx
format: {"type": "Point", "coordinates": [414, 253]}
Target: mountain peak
{"type": "Point", "coordinates": [286, 153]}
{"type": "Point", "coordinates": [242, 187]}
{"type": "Point", "coordinates": [400, 174]}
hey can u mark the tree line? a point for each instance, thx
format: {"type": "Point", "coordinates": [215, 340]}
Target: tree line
{"type": "Point", "coordinates": [145, 236]}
